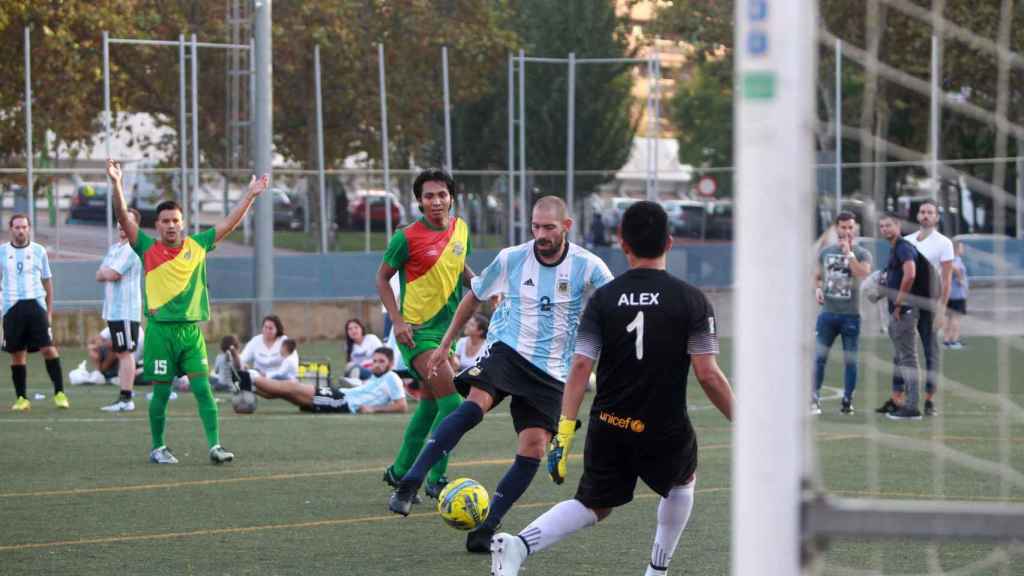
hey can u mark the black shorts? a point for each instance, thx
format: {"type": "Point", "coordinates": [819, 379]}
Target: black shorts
{"type": "Point", "coordinates": [26, 327]}
{"type": "Point", "coordinates": [536, 395]}
{"type": "Point", "coordinates": [959, 306]}
{"type": "Point", "coordinates": [329, 400]}
{"type": "Point", "coordinates": [124, 335]}
{"type": "Point", "coordinates": [613, 460]}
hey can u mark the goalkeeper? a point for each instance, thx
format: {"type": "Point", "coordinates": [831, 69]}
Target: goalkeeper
{"type": "Point", "coordinates": [644, 328]}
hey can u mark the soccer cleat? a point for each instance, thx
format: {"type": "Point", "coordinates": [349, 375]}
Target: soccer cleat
{"type": "Point", "coordinates": [815, 407]}
{"type": "Point", "coordinates": [904, 414]}
{"type": "Point", "coordinates": [120, 406]}
{"type": "Point", "coordinates": [392, 480]}
{"type": "Point", "coordinates": [401, 500]}
{"type": "Point", "coordinates": [929, 408]}
{"type": "Point", "coordinates": [433, 489]}
{"type": "Point", "coordinates": [162, 455]}
{"type": "Point", "coordinates": [60, 400]}
{"type": "Point", "coordinates": [956, 345]}
{"type": "Point", "coordinates": [846, 407]}
{"type": "Point", "coordinates": [888, 407]}
{"type": "Point", "coordinates": [479, 540]}
{"type": "Point", "coordinates": [21, 405]}
{"type": "Point", "coordinates": [218, 455]}
{"type": "Point", "coordinates": [652, 571]}
{"type": "Point", "coordinates": [507, 554]}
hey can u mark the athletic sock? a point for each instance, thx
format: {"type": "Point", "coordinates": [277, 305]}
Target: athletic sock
{"type": "Point", "coordinates": [125, 396]}
{"type": "Point", "coordinates": [207, 408]}
{"type": "Point", "coordinates": [19, 375]}
{"type": "Point", "coordinates": [561, 520]}
{"type": "Point", "coordinates": [56, 376]}
{"type": "Point", "coordinates": [415, 435]}
{"type": "Point", "coordinates": [445, 406]}
{"type": "Point", "coordinates": [158, 412]}
{"type": "Point", "coordinates": [447, 435]}
{"type": "Point", "coordinates": [510, 488]}
{"type": "Point", "coordinates": [244, 380]}
{"type": "Point", "coordinates": [673, 514]}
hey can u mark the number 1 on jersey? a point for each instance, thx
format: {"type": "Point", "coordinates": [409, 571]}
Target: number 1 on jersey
{"type": "Point", "coordinates": [638, 325]}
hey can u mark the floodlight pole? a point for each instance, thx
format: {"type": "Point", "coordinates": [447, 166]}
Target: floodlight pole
{"type": "Point", "coordinates": [195, 136]}
{"type": "Point", "coordinates": [511, 151]}
{"type": "Point", "coordinates": [935, 115]}
{"type": "Point", "coordinates": [321, 180]}
{"type": "Point", "coordinates": [29, 160]}
{"type": "Point", "coordinates": [183, 119]}
{"type": "Point", "coordinates": [263, 273]}
{"type": "Point", "coordinates": [106, 132]}
{"type": "Point", "coordinates": [1020, 188]}
{"type": "Point", "coordinates": [839, 126]}
{"type": "Point", "coordinates": [522, 145]}
{"type": "Point", "coordinates": [570, 145]}
{"type": "Point", "coordinates": [385, 155]}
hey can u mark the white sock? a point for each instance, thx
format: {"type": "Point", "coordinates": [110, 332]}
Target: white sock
{"type": "Point", "coordinates": [673, 514]}
{"type": "Point", "coordinates": [561, 520]}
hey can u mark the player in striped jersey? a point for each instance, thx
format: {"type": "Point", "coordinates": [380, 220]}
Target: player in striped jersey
{"type": "Point", "coordinates": [544, 284]}
{"type": "Point", "coordinates": [27, 300]}
{"type": "Point", "coordinates": [121, 275]}
{"type": "Point", "coordinates": [175, 301]}
{"type": "Point", "coordinates": [429, 257]}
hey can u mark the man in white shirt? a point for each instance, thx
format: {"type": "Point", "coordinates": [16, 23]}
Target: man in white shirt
{"type": "Point", "coordinates": [938, 249]}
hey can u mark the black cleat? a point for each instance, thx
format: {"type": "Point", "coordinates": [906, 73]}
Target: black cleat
{"type": "Point", "coordinates": [401, 501]}
{"type": "Point", "coordinates": [904, 413]}
{"type": "Point", "coordinates": [846, 407]}
{"type": "Point", "coordinates": [888, 407]}
{"type": "Point", "coordinates": [391, 480]}
{"type": "Point", "coordinates": [479, 541]}
{"type": "Point", "coordinates": [929, 408]}
{"type": "Point", "coordinates": [433, 489]}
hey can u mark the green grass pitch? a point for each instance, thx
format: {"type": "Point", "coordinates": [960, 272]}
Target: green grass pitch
{"type": "Point", "coordinates": [304, 496]}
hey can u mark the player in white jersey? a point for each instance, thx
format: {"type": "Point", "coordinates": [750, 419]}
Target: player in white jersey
{"type": "Point", "coordinates": [544, 284]}
{"type": "Point", "coordinates": [938, 249]}
{"type": "Point", "coordinates": [26, 292]}
{"type": "Point", "coordinates": [121, 273]}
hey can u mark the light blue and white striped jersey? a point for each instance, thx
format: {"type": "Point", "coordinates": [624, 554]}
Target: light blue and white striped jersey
{"type": "Point", "coordinates": [122, 300]}
{"type": "Point", "coordinates": [542, 304]}
{"type": "Point", "coordinates": [24, 270]}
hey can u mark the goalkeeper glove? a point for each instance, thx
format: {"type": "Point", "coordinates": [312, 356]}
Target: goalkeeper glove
{"type": "Point", "coordinates": [558, 455]}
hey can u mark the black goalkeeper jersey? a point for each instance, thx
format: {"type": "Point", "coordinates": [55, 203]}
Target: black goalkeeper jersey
{"type": "Point", "coordinates": [642, 328]}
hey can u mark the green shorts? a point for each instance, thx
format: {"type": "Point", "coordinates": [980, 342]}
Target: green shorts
{"type": "Point", "coordinates": [424, 343]}
{"type": "Point", "coordinates": [173, 349]}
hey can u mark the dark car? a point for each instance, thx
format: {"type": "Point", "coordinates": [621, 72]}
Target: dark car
{"type": "Point", "coordinates": [288, 214]}
{"type": "Point", "coordinates": [719, 220]}
{"type": "Point", "coordinates": [89, 202]}
{"type": "Point", "coordinates": [686, 218]}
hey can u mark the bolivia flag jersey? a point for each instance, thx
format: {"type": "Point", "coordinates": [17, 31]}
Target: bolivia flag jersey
{"type": "Point", "coordinates": [176, 277]}
{"type": "Point", "coordinates": [430, 262]}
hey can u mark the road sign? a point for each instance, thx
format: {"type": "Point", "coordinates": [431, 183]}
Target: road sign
{"type": "Point", "coordinates": [707, 186]}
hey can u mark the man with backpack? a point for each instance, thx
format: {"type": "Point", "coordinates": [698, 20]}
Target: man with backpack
{"type": "Point", "coordinates": [909, 288]}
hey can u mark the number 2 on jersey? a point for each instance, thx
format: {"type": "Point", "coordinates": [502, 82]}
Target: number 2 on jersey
{"type": "Point", "coordinates": [638, 325]}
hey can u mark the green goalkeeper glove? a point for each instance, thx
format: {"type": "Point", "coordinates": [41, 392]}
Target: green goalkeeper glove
{"type": "Point", "coordinates": [558, 454]}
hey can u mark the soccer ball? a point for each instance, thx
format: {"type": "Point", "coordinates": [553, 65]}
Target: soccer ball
{"type": "Point", "coordinates": [244, 402]}
{"type": "Point", "coordinates": [463, 504]}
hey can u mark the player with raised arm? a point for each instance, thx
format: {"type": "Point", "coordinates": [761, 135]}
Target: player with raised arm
{"type": "Point", "coordinates": [643, 329]}
{"type": "Point", "coordinates": [529, 345]}
{"type": "Point", "coordinates": [175, 301]}
{"type": "Point", "coordinates": [429, 257]}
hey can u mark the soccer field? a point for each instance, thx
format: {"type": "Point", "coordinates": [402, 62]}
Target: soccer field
{"type": "Point", "coordinates": [304, 496]}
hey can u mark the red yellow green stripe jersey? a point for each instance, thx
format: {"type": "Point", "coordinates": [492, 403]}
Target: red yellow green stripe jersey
{"type": "Point", "coordinates": [175, 277]}
{"type": "Point", "coordinates": [430, 262]}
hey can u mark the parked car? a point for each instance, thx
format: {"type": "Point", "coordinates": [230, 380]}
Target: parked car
{"type": "Point", "coordinates": [686, 218]}
{"type": "Point", "coordinates": [719, 220]}
{"type": "Point", "coordinates": [613, 210]}
{"type": "Point", "coordinates": [89, 203]}
{"type": "Point", "coordinates": [288, 214]}
{"type": "Point", "coordinates": [378, 215]}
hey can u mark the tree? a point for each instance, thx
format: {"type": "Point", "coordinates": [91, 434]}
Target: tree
{"type": "Point", "coordinates": [701, 110]}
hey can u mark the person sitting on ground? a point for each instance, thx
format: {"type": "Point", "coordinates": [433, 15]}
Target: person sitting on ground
{"type": "Point", "coordinates": [224, 373]}
{"type": "Point", "coordinates": [103, 361]}
{"type": "Point", "coordinates": [263, 352]}
{"type": "Point", "coordinates": [381, 393]}
{"type": "Point", "coordinates": [470, 347]}
{"type": "Point", "coordinates": [360, 347]}
{"type": "Point", "coordinates": [289, 368]}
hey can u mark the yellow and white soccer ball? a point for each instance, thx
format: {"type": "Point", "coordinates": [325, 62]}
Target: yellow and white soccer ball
{"type": "Point", "coordinates": [464, 504]}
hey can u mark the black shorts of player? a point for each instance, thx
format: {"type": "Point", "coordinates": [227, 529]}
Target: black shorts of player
{"type": "Point", "coordinates": [124, 335]}
{"type": "Point", "coordinates": [614, 458]}
{"type": "Point", "coordinates": [329, 400]}
{"type": "Point", "coordinates": [959, 306]}
{"type": "Point", "coordinates": [536, 395]}
{"type": "Point", "coordinates": [26, 327]}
